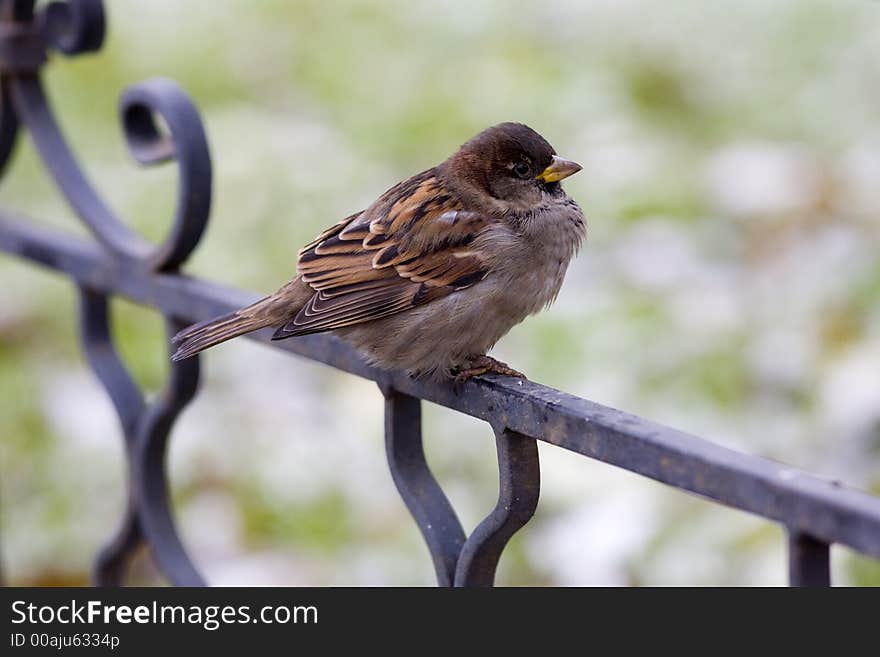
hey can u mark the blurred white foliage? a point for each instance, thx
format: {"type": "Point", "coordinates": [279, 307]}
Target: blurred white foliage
{"type": "Point", "coordinates": [755, 179]}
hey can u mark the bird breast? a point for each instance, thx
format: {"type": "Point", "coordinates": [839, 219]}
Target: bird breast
{"type": "Point", "coordinates": [527, 263]}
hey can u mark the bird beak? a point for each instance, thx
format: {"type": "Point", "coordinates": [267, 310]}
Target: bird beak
{"type": "Point", "coordinates": [559, 168]}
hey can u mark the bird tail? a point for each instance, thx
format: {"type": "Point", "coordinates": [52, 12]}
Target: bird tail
{"type": "Point", "coordinates": [268, 311]}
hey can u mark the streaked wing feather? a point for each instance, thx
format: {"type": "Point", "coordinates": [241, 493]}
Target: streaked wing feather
{"type": "Point", "coordinates": [335, 229]}
{"type": "Point", "coordinates": [412, 246]}
{"type": "Point", "coordinates": [323, 313]}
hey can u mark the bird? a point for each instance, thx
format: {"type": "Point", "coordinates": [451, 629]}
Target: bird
{"type": "Point", "coordinates": [442, 265]}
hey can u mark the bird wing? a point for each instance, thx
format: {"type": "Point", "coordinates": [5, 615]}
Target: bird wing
{"type": "Point", "coordinates": [414, 245]}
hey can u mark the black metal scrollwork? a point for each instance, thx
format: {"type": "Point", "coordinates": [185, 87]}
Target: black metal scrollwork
{"type": "Point", "coordinates": [75, 27]}
{"type": "Point", "coordinates": [8, 126]}
{"type": "Point", "coordinates": [146, 428]}
{"type": "Point", "coordinates": [459, 561]}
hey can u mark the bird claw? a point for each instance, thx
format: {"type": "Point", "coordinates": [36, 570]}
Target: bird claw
{"type": "Point", "coordinates": [483, 365]}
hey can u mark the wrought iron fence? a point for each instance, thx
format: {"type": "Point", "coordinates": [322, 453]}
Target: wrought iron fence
{"type": "Point", "coordinates": [815, 513]}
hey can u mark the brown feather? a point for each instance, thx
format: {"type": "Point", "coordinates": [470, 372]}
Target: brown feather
{"type": "Point", "coordinates": [412, 246]}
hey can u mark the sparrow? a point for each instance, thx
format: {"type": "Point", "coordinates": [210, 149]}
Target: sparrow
{"type": "Point", "coordinates": [430, 276]}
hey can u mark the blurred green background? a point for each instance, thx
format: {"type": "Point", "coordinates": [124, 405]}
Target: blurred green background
{"type": "Point", "coordinates": [730, 285]}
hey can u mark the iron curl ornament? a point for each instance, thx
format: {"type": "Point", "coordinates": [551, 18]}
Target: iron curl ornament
{"type": "Point", "coordinates": [73, 28]}
{"type": "Point", "coordinates": [815, 513]}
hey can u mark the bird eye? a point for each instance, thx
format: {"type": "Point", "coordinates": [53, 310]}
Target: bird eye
{"type": "Point", "coordinates": [521, 169]}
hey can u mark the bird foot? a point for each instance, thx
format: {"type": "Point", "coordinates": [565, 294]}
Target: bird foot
{"type": "Point", "coordinates": [485, 365]}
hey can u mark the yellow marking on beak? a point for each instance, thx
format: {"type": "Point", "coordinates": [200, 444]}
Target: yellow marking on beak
{"type": "Point", "coordinates": [559, 168]}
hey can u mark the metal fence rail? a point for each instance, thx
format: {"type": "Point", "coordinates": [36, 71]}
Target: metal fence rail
{"type": "Point", "coordinates": [816, 513]}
